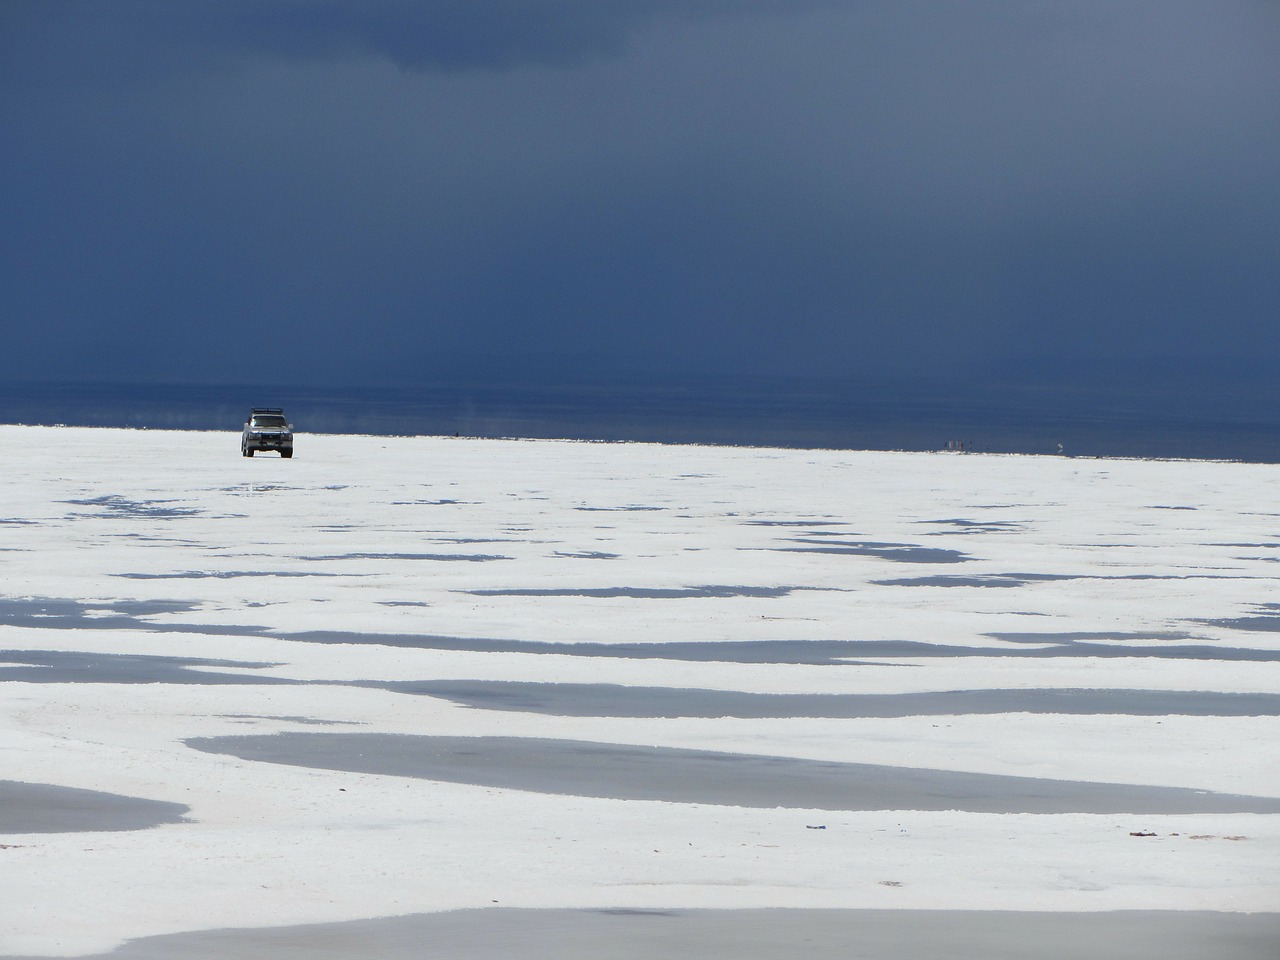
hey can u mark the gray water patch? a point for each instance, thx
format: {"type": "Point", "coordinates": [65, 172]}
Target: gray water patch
{"type": "Point", "coordinates": [75, 666]}
{"type": "Point", "coordinates": [148, 538]}
{"type": "Point", "coordinates": [973, 526]}
{"type": "Point", "coordinates": [63, 614]}
{"type": "Point", "coordinates": [990, 580]}
{"type": "Point", "coordinates": [633, 508]}
{"type": "Point", "coordinates": [1180, 576]}
{"type": "Point", "coordinates": [818, 652]}
{"type": "Point", "coordinates": [478, 540]}
{"type": "Point", "coordinates": [1094, 644]}
{"type": "Point", "coordinates": [993, 580]}
{"type": "Point", "coordinates": [306, 721]}
{"type": "Point", "coordinates": [232, 574]}
{"type": "Point", "coordinates": [1086, 636]}
{"type": "Point", "coordinates": [433, 503]}
{"type": "Point", "coordinates": [898, 552]}
{"type": "Point", "coordinates": [613, 700]}
{"type": "Point", "coordinates": [1022, 579]}
{"type": "Point", "coordinates": [586, 555]}
{"type": "Point", "coordinates": [1265, 619]}
{"type": "Point", "coordinates": [499, 933]}
{"type": "Point", "coordinates": [117, 506]}
{"type": "Point", "coordinates": [641, 593]}
{"type": "Point", "coordinates": [796, 523]}
{"type": "Point", "coordinates": [45, 808]}
{"type": "Point", "coordinates": [55, 614]}
{"type": "Point", "coordinates": [1255, 624]}
{"type": "Point", "coordinates": [623, 772]}
{"type": "Point", "coordinates": [465, 557]}
{"type": "Point", "coordinates": [823, 652]}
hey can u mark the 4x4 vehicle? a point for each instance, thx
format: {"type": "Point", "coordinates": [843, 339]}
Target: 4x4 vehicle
{"type": "Point", "coordinates": [266, 429]}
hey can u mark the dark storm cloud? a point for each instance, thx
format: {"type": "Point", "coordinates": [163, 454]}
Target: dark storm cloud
{"type": "Point", "coordinates": [538, 188]}
{"type": "Point", "coordinates": [135, 37]}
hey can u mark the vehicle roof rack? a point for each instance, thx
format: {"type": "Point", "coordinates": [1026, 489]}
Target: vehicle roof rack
{"type": "Point", "coordinates": [253, 410]}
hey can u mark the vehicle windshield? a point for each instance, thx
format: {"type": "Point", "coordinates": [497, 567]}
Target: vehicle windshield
{"type": "Point", "coordinates": [269, 420]}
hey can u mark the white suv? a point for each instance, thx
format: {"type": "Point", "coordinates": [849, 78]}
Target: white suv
{"type": "Point", "coordinates": [266, 429]}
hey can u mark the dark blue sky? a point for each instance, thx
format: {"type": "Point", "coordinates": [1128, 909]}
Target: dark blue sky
{"type": "Point", "coordinates": [352, 192]}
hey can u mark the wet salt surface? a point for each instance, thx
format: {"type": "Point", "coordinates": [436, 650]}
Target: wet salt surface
{"type": "Point", "coordinates": [799, 523]}
{"type": "Point", "coordinates": [978, 580]}
{"type": "Point", "coordinates": [118, 506]}
{"type": "Point", "coordinates": [973, 526]}
{"type": "Point", "coordinates": [641, 593]}
{"type": "Point", "coordinates": [1261, 624]}
{"type": "Point", "coordinates": [58, 613]}
{"type": "Point", "coordinates": [1265, 618]}
{"type": "Point", "coordinates": [638, 508]}
{"type": "Point", "coordinates": [899, 552]}
{"type": "Point", "coordinates": [815, 652]}
{"type": "Point", "coordinates": [63, 613]}
{"type": "Point", "coordinates": [501, 934]}
{"type": "Point", "coordinates": [623, 772]}
{"type": "Point", "coordinates": [1022, 579]}
{"type": "Point", "coordinates": [472, 557]}
{"type": "Point", "coordinates": [230, 574]}
{"type": "Point", "coordinates": [45, 808]}
{"type": "Point", "coordinates": [612, 700]}
{"type": "Point", "coordinates": [75, 666]}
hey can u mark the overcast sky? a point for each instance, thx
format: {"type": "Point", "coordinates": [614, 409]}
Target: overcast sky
{"type": "Point", "coordinates": [387, 191]}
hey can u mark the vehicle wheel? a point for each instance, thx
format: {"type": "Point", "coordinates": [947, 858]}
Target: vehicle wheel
{"type": "Point", "coordinates": [286, 454]}
{"type": "Point", "coordinates": [248, 451]}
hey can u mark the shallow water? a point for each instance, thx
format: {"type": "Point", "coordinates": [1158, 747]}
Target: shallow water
{"type": "Point", "coordinates": [45, 808]}
{"type": "Point", "coordinates": [612, 700]}
{"type": "Point", "coordinates": [502, 934]}
{"type": "Point", "coordinates": [623, 772]}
